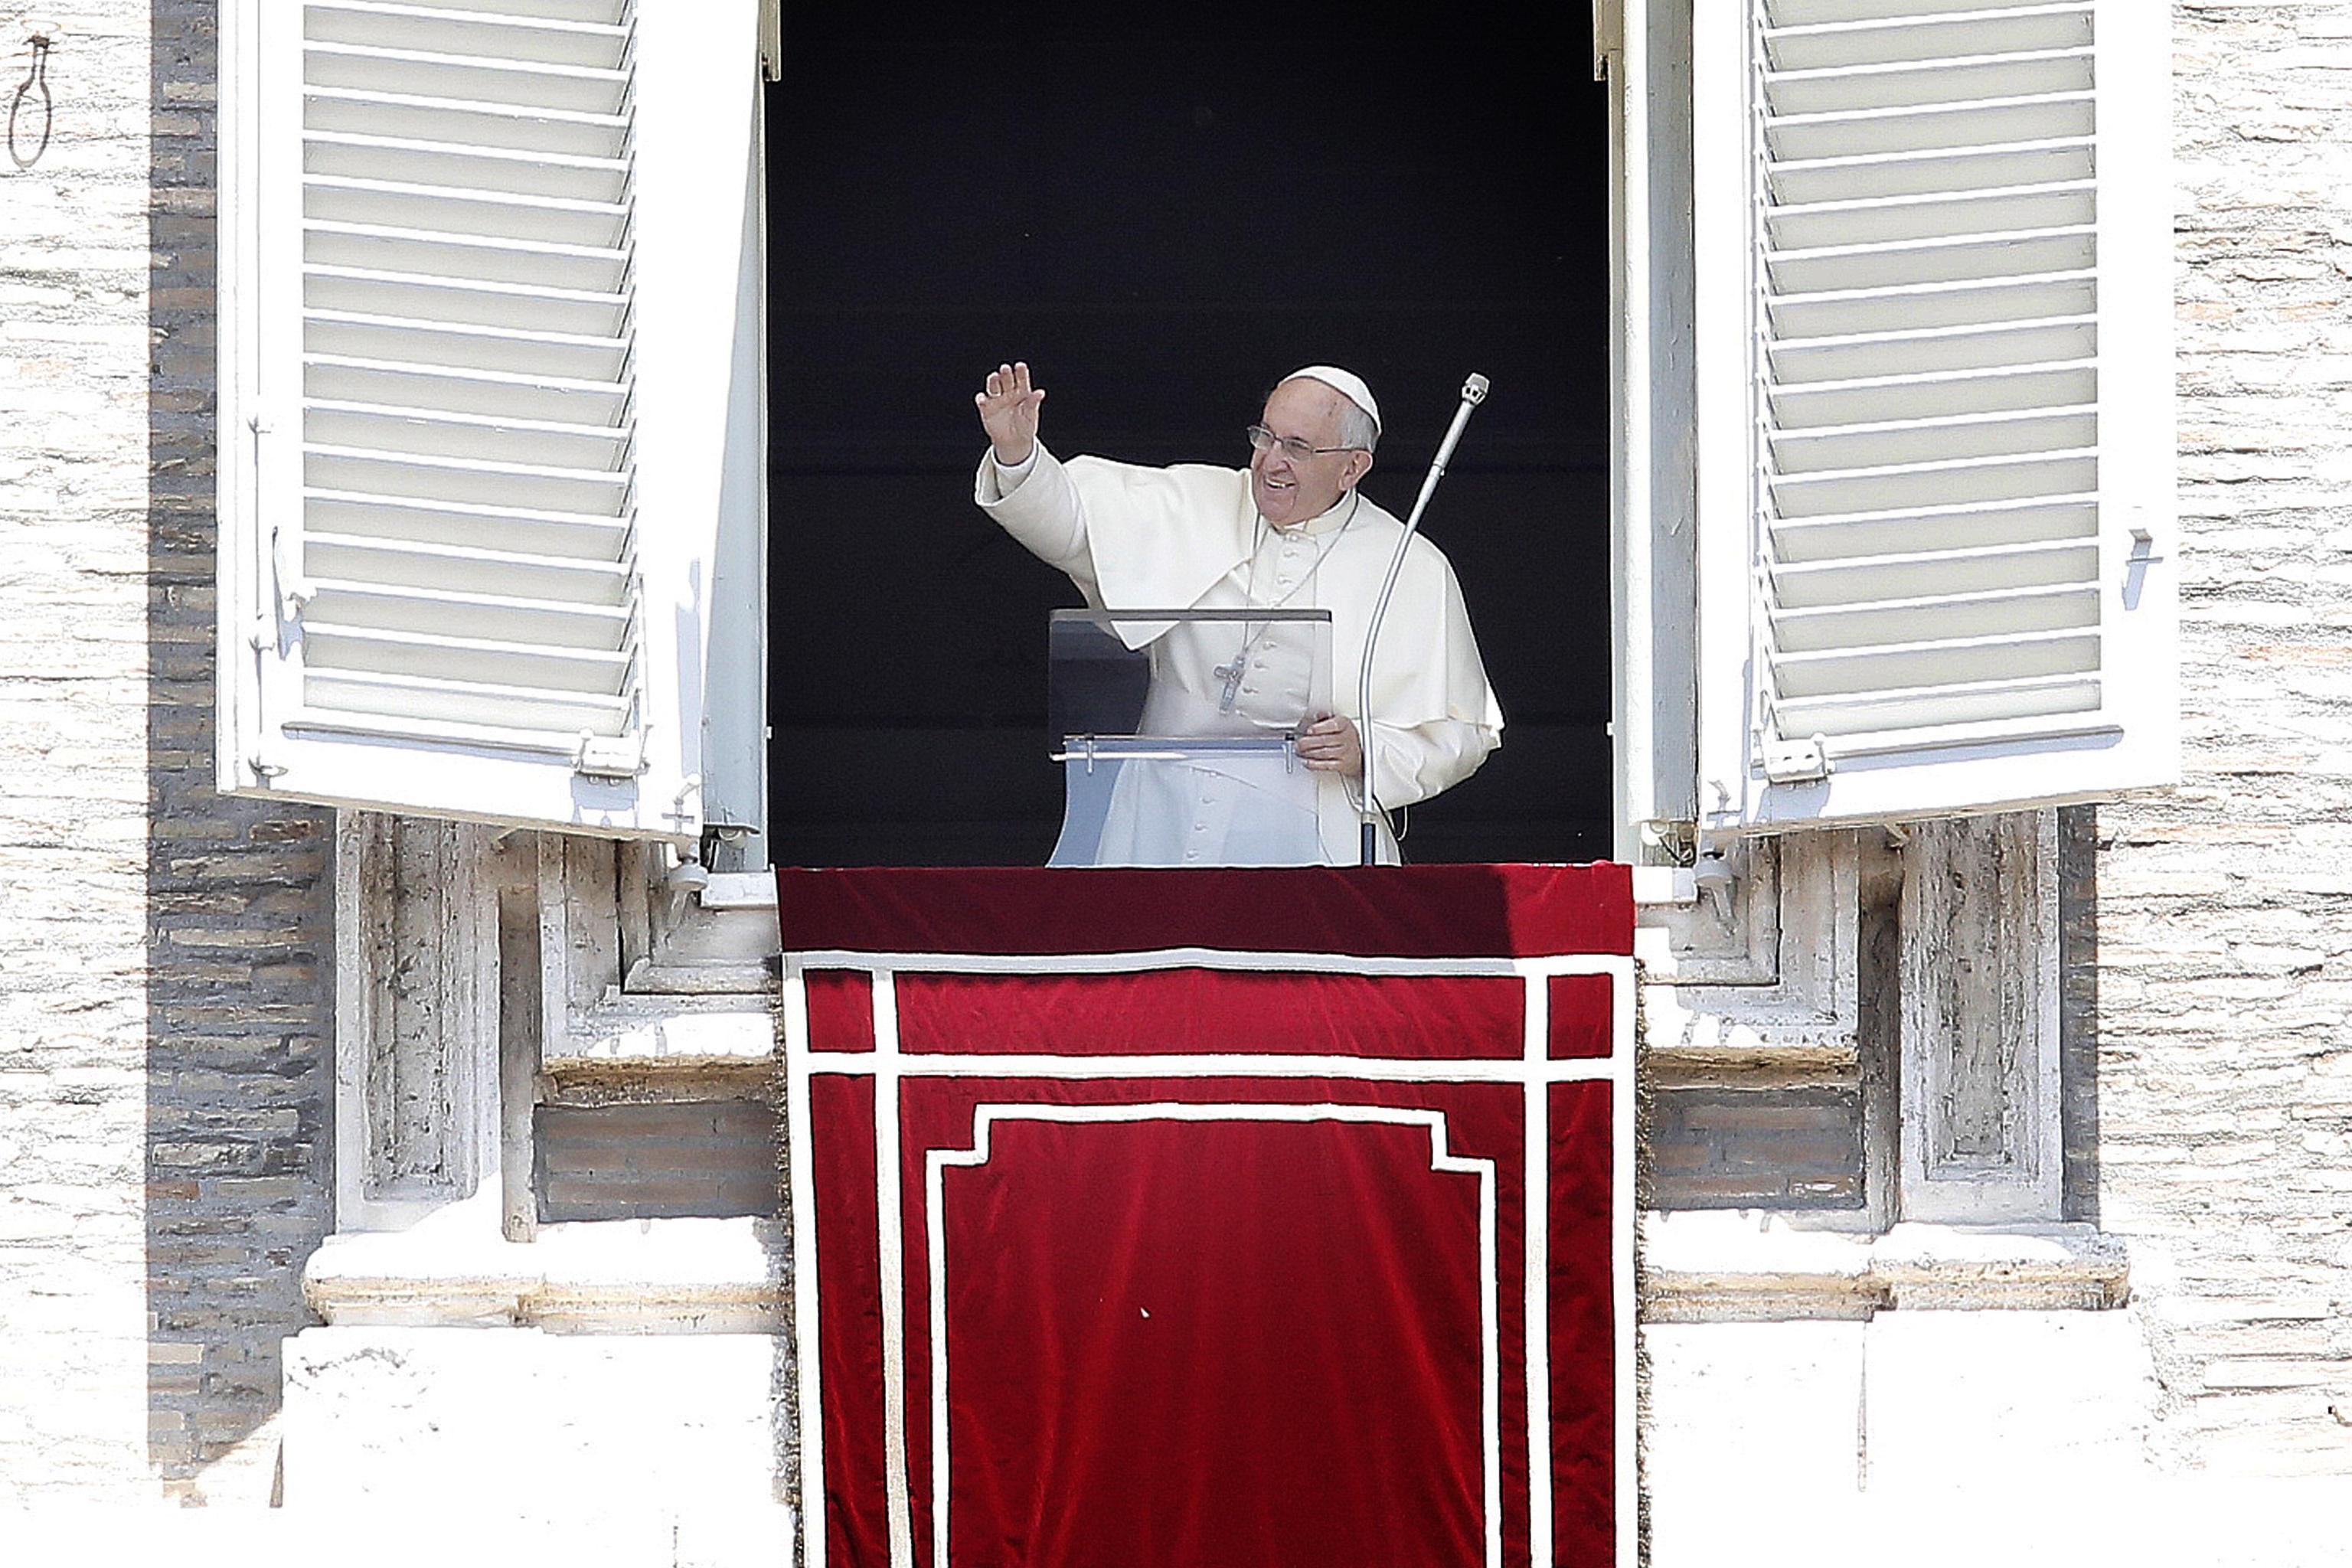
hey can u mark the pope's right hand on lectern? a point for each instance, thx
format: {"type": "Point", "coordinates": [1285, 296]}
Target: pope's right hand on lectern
{"type": "Point", "coordinates": [1008, 412]}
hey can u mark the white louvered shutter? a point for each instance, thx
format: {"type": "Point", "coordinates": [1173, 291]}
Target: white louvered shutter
{"type": "Point", "coordinates": [1935, 444]}
{"type": "Point", "coordinates": [482, 262]}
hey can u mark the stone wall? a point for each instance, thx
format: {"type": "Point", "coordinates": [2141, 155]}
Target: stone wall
{"type": "Point", "coordinates": [166, 1065]}
{"type": "Point", "coordinates": [2223, 1093]}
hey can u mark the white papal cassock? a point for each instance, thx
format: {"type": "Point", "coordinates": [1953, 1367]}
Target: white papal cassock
{"type": "Point", "coordinates": [1190, 537]}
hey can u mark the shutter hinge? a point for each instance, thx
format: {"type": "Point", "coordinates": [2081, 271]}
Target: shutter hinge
{"type": "Point", "coordinates": [610, 756]}
{"type": "Point", "coordinates": [1796, 761]}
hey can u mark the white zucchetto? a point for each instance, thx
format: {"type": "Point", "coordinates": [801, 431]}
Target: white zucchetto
{"type": "Point", "coordinates": [1346, 382]}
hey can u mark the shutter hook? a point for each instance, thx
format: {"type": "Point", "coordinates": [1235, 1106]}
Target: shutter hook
{"type": "Point", "coordinates": [38, 79]}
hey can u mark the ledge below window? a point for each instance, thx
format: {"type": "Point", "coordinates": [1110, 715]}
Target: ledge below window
{"type": "Point", "coordinates": [662, 1275]}
{"type": "Point", "coordinates": [1739, 1266]}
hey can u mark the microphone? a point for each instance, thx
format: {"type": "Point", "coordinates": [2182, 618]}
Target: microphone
{"type": "Point", "coordinates": [1474, 392]}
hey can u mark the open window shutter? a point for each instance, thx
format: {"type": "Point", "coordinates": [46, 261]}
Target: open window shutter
{"type": "Point", "coordinates": [1936, 444]}
{"type": "Point", "coordinates": [483, 265]}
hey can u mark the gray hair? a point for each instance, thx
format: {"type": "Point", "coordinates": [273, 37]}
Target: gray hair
{"type": "Point", "coordinates": [1356, 426]}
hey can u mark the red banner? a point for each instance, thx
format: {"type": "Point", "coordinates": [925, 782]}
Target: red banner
{"type": "Point", "coordinates": [1220, 1246]}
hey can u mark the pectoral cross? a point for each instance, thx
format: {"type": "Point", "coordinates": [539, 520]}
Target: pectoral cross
{"type": "Point", "coordinates": [1231, 674]}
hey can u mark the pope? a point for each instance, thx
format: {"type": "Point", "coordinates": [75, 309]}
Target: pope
{"type": "Point", "coordinates": [1291, 530]}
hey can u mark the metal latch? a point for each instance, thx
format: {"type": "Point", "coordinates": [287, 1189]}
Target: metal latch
{"type": "Point", "coordinates": [610, 756]}
{"type": "Point", "coordinates": [294, 589]}
{"type": "Point", "coordinates": [1796, 761]}
{"type": "Point", "coordinates": [1608, 34]}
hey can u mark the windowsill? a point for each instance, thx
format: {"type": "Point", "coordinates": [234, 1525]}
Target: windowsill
{"type": "Point", "coordinates": [1652, 885]}
{"type": "Point", "coordinates": [674, 1032]}
{"type": "Point", "coordinates": [1744, 1265]}
{"type": "Point", "coordinates": [739, 890]}
{"type": "Point", "coordinates": [663, 1276]}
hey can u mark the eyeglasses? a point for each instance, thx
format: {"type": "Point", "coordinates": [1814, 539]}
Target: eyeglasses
{"type": "Point", "coordinates": [1293, 448]}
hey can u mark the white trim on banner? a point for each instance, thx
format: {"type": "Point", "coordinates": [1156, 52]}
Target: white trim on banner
{"type": "Point", "coordinates": [986, 1116]}
{"type": "Point", "coordinates": [1533, 1070]}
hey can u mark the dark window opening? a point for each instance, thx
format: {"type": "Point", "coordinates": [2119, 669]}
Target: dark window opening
{"type": "Point", "coordinates": [1162, 211]}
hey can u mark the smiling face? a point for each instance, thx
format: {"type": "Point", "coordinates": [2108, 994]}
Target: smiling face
{"type": "Point", "coordinates": [1289, 491]}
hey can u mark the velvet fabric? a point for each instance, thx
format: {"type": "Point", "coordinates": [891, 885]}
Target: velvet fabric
{"type": "Point", "coordinates": [1215, 1317]}
{"type": "Point", "coordinates": [1398, 911]}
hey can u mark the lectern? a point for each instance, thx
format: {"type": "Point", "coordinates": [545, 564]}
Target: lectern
{"type": "Point", "coordinates": [1178, 734]}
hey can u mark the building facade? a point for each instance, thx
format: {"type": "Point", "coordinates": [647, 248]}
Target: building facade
{"type": "Point", "coordinates": [1981, 1146]}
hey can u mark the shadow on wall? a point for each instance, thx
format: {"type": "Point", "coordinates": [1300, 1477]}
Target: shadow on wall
{"type": "Point", "coordinates": [2078, 1008]}
{"type": "Point", "coordinates": [239, 939]}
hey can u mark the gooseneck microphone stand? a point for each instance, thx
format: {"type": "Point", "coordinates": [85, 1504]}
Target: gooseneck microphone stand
{"type": "Point", "coordinates": [1474, 392]}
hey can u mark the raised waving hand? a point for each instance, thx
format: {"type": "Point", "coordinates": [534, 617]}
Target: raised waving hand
{"type": "Point", "coordinates": [1008, 412]}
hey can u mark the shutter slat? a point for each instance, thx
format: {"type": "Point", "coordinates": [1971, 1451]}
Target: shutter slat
{"type": "Point", "coordinates": [1911, 86]}
{"type": "Point", "coordinates": [1920, 263]}
{"type": "Point", "coordinates": [466, 391]}
{"type": "Point", "coordinates": [1948, 661]}
{"type": "Point", "coordinates": [2002, 390]}
{"type": "Point", "coordinates": [438, 710]}
{"type": "Point", "coordinates": [1868, 535]}
{"type": "Point", "coordinates": [488, 258]}
{"type": "Point", "coordinates": [1908, 718]}
{"type": "Point", "coordinates": [1828, 180]}
{"type": "Point", "coordinates": [439, 433]}
{"type": "Point", "coordinates": [1941, 128]}
{"type": "Point", "coordinates": [429, 477]}
{"type": "Point", "coordinates": [1882, 220]}
{"type": "Point", "coordinates": [1910, 487]}
{"type": "Point", "coordinates": [455, 166]}
{"type": "Point", "coordinates": [524, 530]}
{"type": "Point", "coordinates": [1940, 617]}
{"type": "Point", "coordinates": [474, 31]}
{"type": "Point", "coordinates": [465, 79]}
{"type": "Point", "coordinates": [440, 209]}
{"type": "Point", "coordinates": [465, 345]}
{"type": "Point", "coordinates": [471, 123]}
{"type": "Point", "coordinates": [443, 210]}
{"type": "Point", "coordinates": [1853, 580]}
{"type": "Point", "coordinates": [1951, 349]}
{"type": "Point", "coordinates": [370, 292]}
{"type": "Point", "coordinates": [458, 569]}
{"type": "Point", "coordinates": [1817, 46]}
{"type": "Point", "coordinates": [1853, 312]}
{"type": "Point", "coordinates": [1916, 441]}
{"type": "Point", "coordinates": [395, 384]}
{"type": "Point", "coordinates": [1809, 13]}
{"type": "Point", "coordinates": [361, 650]}
{"type": "Point", "coordinates": [547, 624]}
{"type": "Point", "coordinates": [609, 12]}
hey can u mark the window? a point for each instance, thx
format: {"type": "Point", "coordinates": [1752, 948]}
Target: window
{"type": "Point", "coordinates": [1932, 403]}
{"type": "Point", "coordinates": [1893, 507]}
{"type": "Point", "coordinates": [490, 410]}
{"type": "Point", "coordinates": [1179, 210]}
